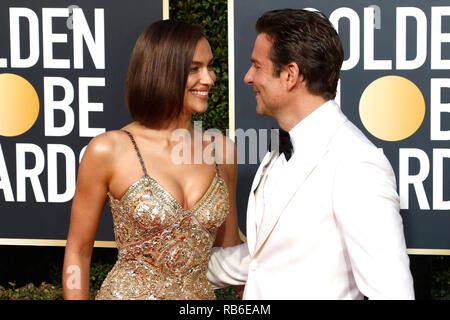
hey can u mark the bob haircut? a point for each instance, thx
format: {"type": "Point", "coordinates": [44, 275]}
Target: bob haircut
{"type": "Point", "coordinates": [158, 71]}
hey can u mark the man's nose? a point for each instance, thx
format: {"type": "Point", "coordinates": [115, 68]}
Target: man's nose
{"type": "Point", "coordinates": [248, 79]}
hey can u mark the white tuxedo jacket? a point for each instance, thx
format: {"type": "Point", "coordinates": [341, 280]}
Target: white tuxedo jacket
{"type": "Point", "coordinates": [333, 230]}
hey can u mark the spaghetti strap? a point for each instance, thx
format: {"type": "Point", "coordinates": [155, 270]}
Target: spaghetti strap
{"type": "Point", "coordinates": [137, 151]}
{"type": "Point", "coordinates": [215, 159]}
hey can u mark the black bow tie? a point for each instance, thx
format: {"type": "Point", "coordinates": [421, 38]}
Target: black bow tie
{"type": "Point", "coordinates": [285, 144]}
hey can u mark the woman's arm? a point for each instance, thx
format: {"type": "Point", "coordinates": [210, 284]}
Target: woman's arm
{"type": "Point", "coordinates": [228, 233]}
{"type": "Point", "coordinates": [90, 194]}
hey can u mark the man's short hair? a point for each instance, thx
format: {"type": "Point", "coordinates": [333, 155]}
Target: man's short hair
{"type": "Point", "coordinates": [158, 71]}
{"type": "Point", "coordinates": [309, 39]}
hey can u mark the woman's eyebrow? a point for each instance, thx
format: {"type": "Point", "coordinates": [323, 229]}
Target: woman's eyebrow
{"type": "Point", "coordinates": [201, 63]}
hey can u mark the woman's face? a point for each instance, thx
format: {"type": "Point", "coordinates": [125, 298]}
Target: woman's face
{"type": "Point", "coordinates": [200, 79]}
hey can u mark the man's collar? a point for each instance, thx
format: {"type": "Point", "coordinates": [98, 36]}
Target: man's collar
{"type": "Point", "coordinates": [302, 131]}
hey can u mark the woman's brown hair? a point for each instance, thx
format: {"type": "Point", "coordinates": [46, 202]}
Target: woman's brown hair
{"type": "Point", "coordinates": [158, 71]}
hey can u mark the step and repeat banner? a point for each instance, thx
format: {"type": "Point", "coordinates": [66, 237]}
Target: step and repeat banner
{"type": "Point", "coordinates": [62, 72]}
{"type": "Point", "coordinates": [396, 71]}
{"type": "Point", "coordinates": [63, 66]}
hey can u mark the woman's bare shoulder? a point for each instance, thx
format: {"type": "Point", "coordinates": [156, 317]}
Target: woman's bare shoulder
{"type": "Point", "coordinates": [106, 145]}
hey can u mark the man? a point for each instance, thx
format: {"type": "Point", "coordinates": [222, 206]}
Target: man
{"type": "Point", "coordinates": [323, 217]}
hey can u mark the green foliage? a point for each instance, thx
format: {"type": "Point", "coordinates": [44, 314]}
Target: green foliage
{"type": "Point", "coordinates": [102, 262]}
{"type": "Point", "coordinates": [227, 293]}
{"type": "Point", "coordinates": [440, 286]}
{"type": "Point", "coordinates": [53, 290]}
{"type": "Point", "coordinates": [99, 271]}
{"type": "Point", "coordinates": [30, 292]}
{"type": "Point", "coordinates": [212, 16]}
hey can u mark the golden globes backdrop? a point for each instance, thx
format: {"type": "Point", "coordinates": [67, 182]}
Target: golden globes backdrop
{"type": "Point", "coordinates": [62, 73]}
{"type": "Point", "coordinates": [394, 85]}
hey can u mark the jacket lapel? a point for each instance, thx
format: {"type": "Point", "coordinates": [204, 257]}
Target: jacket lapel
{"type": "Point", "coordinates": [297, 171]}
{"type": "Point", "coordinates": [265, 163]}
{"type": "Point", "coordinates": [251, 207]}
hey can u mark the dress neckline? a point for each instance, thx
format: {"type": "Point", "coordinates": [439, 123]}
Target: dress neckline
{"type": "Point", "coordinates": [214, 181]}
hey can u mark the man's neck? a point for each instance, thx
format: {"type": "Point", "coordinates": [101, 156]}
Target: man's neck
{"type": "Point", "coordinates": [298, 110]}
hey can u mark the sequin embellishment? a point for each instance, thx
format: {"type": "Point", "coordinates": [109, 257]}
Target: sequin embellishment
{"type": "Point", "coordinates": [163, 249]}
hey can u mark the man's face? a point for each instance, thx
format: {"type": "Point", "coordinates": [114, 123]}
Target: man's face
{"type": "Point", "coordinates": [269, 89]}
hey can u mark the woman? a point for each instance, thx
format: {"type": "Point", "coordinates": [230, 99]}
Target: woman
{"type": "Point", "coordinates": [167, 215]}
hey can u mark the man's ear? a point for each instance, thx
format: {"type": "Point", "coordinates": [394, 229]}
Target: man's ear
{"type": "Point", "coordinates": [292, 75]}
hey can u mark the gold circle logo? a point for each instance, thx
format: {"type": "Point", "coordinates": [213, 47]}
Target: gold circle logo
{"type": "Point", "coordinates": [392, 108]}
{"type": "Point", "coordinates": [19, 105]}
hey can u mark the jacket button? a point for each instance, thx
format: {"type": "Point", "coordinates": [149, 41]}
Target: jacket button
{"type": "Point", "coordinates": [253, 265]}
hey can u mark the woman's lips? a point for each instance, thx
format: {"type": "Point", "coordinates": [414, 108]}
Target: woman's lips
{"type": "Point", "coordinates": [201, 93]}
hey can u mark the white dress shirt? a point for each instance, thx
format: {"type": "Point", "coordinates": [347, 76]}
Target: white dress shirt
{"type": "Point", "coordinates": [299, 137]}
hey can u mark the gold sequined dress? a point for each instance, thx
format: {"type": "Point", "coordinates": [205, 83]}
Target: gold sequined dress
{"type": "Point", "coordinates": [163, 249]}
